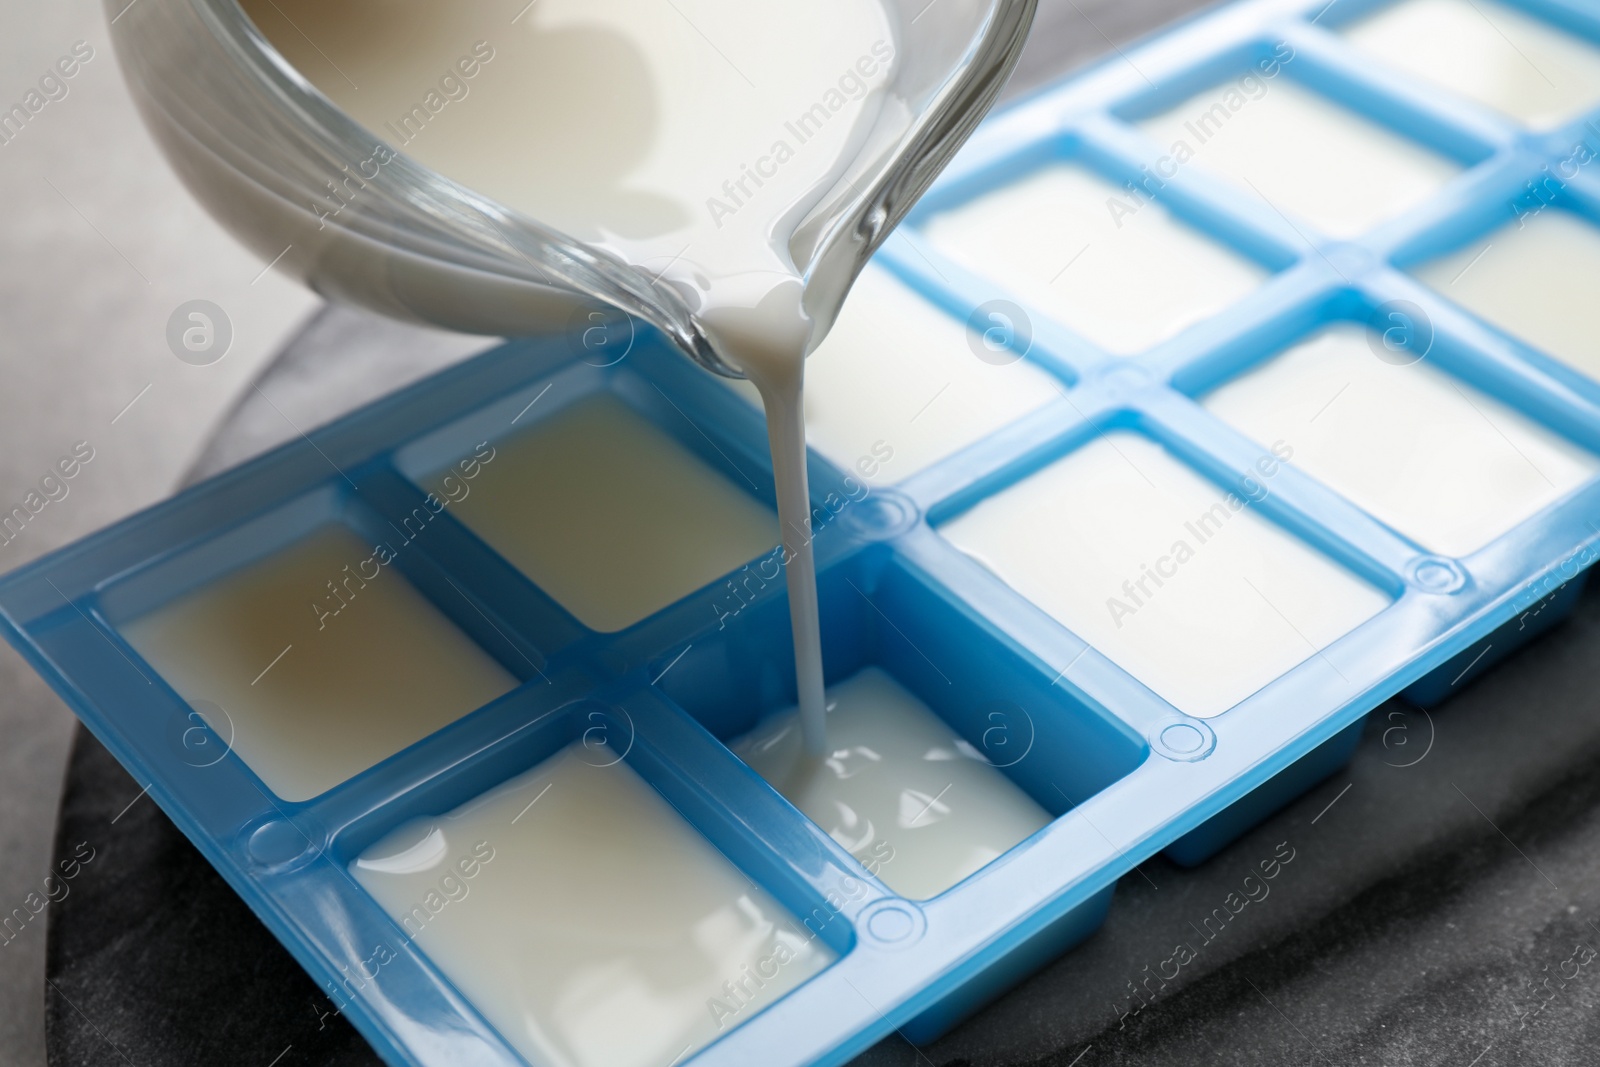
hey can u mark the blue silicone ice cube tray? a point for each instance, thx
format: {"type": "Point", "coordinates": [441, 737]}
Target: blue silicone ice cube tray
{"type": "Point", "coordinates": [1125, 773]}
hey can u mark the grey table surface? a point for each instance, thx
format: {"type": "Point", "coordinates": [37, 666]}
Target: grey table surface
{"type": "Point", "coordinates": [1431, 908]}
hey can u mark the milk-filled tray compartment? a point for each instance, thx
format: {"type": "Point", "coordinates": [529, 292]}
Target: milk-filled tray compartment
{"type": "Point", "coordinates": [1120, 271]}
{"type": "Point", "coordinates": [1292, 130]}
{"type": "Point", "coordinates": [1475, 467]}
{"type": "Point", "coordinates": [974, 391]}
{"type": "Point", "coordinates": [1128, 266]}
{"type": "Point", "coordinates": [1180, 601]}
{"type": "Point", "coordinates": [308, 646]}
{"type": "Point", "coordinates": [1479, 464]}
{"type": "Point", "coordinates": [1502, 56]}
{"type": "Point", "coordinates": [894, 389]}
{"type": "Point", "coordinates": [930, 705]}
{"type": "Point", "coordinates": [1187, 585]}
{"type": "Point", "coordinates": [951, 756]}
{"type": "Point", "coordinates": [602, 497]}
{"type": "Point", "coordinates": [1521, 275]}
{"type": "Point", "coordinates": [598, 840]}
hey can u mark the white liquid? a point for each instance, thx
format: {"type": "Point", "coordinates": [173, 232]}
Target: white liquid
{"type": "Point", "coordinates": [1235, 601]}
{"type": "Point", "coordinates": [895, 387]}
{"type": "Point", "coordinates": [1488, 52]}
{"type": "Point", "coordinates": [1535, 280]}
{"type": "Point", "coordinates": [1121, 271]}
{"type": "Point", "coordinates": [1304, 154]}
{"type": "Point", "coordinates": [638, 127]}
{"type": "Point", "coordinates": [311, 699]}
{"type": "Point", "coordinates": [914, 802]}
{"type": "Point", "coordinates": [1439, 461]}
{"type": "Point", "coordinates": [781, 380]}
{"type": "Point", "coordinates": [586, 920]}
{"type": "Point", "coordinates": [610, 516]}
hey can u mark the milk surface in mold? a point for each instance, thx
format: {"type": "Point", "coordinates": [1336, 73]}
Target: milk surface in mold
{"type": "Point", "coordinates": [589, 923]}
{"type": "Point", "coordinates": [1294, 151]}
{"type": "Point", "coordinates": [317, 661]}
{"type": "Point", "coordinates": [1181, 583]}
{"type": "Point", "coordinates": [611, 516]}
{"type": "Point", "coordinates": [916, 803]}
{"type": "Point", "coordinates": [1535, 279]}
{"type": "Point", "coordinates": [1488, 52]}
{"type": "Point", "coordinates": [1114, 265]}
{"type": "Point", "coordinates": [1438, 460]}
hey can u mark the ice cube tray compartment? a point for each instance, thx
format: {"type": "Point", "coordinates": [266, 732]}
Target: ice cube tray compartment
{"type": "Point", "coordinates": [1124, 772]}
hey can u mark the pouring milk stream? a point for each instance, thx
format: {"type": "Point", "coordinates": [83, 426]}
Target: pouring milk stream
{"type": "Point", "coordinates": [700, 143]}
